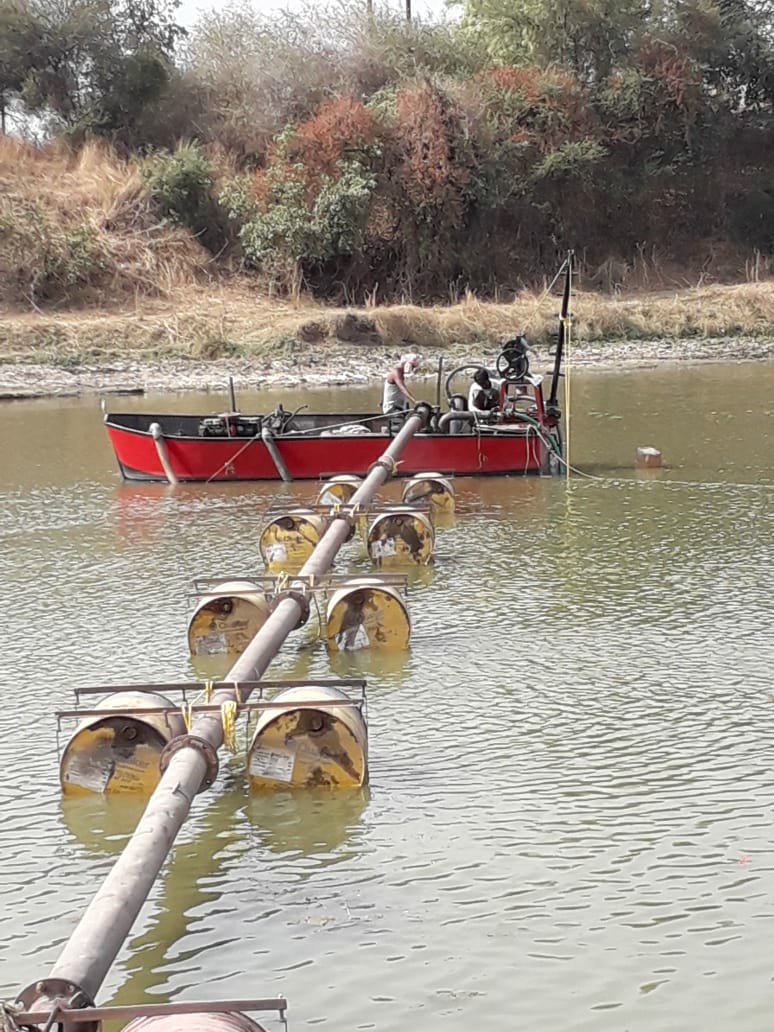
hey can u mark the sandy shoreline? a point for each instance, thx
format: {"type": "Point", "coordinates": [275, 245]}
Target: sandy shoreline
{"type": "Point", "coordinates": [346, 366]}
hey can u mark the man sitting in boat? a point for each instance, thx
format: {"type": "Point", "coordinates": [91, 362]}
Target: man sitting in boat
{"type": "Point", "coordinates": [483, 396]}
{"type": "Point", "coordinates": [396, 396]}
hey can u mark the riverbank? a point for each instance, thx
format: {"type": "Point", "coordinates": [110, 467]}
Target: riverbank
{"type": "Point", "coordinates": [22, 380]}
{"type": "Point", "coordinates": [209, 335]}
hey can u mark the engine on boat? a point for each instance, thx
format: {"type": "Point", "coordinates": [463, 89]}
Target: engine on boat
{"type": "Point", "coordinates": [230, 425]}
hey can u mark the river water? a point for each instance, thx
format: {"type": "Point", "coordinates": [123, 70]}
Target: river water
{"type": "Point", "coordinates": [569, 821]}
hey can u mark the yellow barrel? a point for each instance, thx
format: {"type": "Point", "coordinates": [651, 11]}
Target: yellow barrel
{"type": "Point", "coordinates": [225, 621]}
{"type": "Point", "coordinates": [432, 488]}
{"type": "Point", "coordinates": [401, 537]}
{"type": "Point", "coordinates": [366, 613]}
{"type": "Point", "coordinates": [338, 489]}
{"type": "Point", "coordinates": [288, 541]}
{"type": "Point", "coordinates": [199, 1022]}
{"type": "Point", "coordinates": [119, 753]}
{"type": "Point", "coordinates": [320, 747]}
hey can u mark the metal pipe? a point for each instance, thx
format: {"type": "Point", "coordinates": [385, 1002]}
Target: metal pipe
{"type": "Point", "coordinates": [163, 454]}
{"type": "Point", "coordinates": [91, 949]}
{"type": "Point", "coordinates": [452, 416]}
{"type": "Point", "coordinates": [271, 447]}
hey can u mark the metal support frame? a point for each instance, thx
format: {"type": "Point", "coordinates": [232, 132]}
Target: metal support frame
{"type": "Point", "coordinates": [88, 955]}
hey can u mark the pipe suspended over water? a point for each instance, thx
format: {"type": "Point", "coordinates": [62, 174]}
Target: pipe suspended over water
{"type": "Point", "coordinates": [191, 765]}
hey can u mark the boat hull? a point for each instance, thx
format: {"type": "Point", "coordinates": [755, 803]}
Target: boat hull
{"type": "Point", "coordinates": [218, 459]}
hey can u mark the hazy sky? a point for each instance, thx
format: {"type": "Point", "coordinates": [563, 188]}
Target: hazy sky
{"type": "Point", "coordinates": [190, 9]}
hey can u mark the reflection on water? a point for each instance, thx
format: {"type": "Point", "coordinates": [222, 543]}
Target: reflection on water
{"type": "Point", "coordinates": [102, 824]}
{"type": "Point", "coordinates": [310, 824]}
{"type": "Point", "coordinates": [569, 817]}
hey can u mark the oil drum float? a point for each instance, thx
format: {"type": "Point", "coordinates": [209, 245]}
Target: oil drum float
{"type": "Point", "coordinates": [366, 613]}
{"type": "Point", "coordinates": [401, 537]}
{"type": "Point", "coordinates": [320, 746]}
{"type": "Point", "coordinates": [199, 1022]}
{"type": "Point", "coordinates": [287, 542]}
{"type": "Point", "coordinates": [648, 458]}
{"type": "Point", "coordinates": [338, 490]}
{"type": "Point", "coordinates": [433, 488]}
{"type": "Point", "coordinates": [226, 620]}
{"type": "Point", "coordinates": [120, 753]}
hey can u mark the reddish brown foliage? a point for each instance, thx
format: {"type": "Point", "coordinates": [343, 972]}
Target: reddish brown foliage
{"type": "Point", "coordinates": [427, 141]}
{"type": "Point", "coordinates": [675, 75]}
{"type": "Point", "coordinates": [342, 128]}
{"type": "Point", "coordinates": [544, 107]}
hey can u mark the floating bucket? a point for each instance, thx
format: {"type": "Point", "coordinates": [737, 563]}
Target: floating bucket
{"type": "Point", "coordinates": [365, 613]}
{"type": "Point", "coordinates": [401, 537]}
{"type": "Point", "coordinates": [648, 458]}
{"type": "Point", "coordinates": [226, 621]}
{"type": "Point", "coordinates": [432, 488]}
{"type": "Point", "coordinates": [201, 1022]}
{"type": "Point", "coordinates": [338, 489]}
{"type": "Point", "coordinates": [324, 746]}
{"type": "Point", "coordinates": [287, 542]}
{"type": "Point", "coordinates": [119, 753]}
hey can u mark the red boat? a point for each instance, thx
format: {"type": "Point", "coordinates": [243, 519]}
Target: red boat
{"type": "Point", "coordinates": [520, 434]}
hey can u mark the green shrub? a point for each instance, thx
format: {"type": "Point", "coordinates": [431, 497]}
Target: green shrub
{"type": "Point", "coordinates": [181, 184]}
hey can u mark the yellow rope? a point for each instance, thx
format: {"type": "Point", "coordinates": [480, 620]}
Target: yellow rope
{"type": "Point", "coordinates": [228, 712]}
{"type": "Point", "coordinates": [208, 692]}
{"type": "Point", "coordinates": [186, 709]}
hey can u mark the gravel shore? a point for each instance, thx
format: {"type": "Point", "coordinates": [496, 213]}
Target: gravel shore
{"type": "Point", "coordinates": [353, 365]}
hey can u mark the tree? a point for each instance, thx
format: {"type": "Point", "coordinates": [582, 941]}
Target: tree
{"type": "Point", "coordinates": [21, 49]}
{"type": "Point", "coordinates": [589, 37]}
{"type": "Point", "coordinates": [97, 65]}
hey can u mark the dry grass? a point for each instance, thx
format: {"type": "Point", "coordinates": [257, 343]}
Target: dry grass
{"type": "Point", "coordinates": [203, 322]}
{"type": "Point", "coordinates": [79, 228]}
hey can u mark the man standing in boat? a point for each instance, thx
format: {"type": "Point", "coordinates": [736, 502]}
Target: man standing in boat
{"type": "Point", "coordinates": [396, 396]}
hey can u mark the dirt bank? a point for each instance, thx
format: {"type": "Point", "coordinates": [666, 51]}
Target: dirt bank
{"type": "Point", "coordinates": [339, 366]}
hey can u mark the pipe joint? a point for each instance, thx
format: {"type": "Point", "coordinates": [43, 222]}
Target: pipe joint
{"type": "Point", "coordinates": [200, 745]}
{"type": "Point", "coordinates": [301, 600]}
{"type": "Point", "coordinates": [385, 462]}
{"type": "Point", "coordinates": [349, 518]}
{"type": "Point", "coordinates": [52, 993]}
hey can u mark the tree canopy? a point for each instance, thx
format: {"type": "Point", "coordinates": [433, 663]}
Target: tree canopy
{"type": "Point", "coordinates": [354, 152]}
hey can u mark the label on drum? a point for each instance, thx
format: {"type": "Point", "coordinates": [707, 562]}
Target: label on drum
{"type": "Point", "coordinates": [352, 639]}
{"type": "Point", "coordinates": [383, 549]}
{"type": "Point", "coordinates": [83, 771]}
{"type": "Point", "coordinates": [276, 553]}
{"type": "Point", "coordinates": [210, 644]}
{"type": "Point", "coordinates": [275, 764]}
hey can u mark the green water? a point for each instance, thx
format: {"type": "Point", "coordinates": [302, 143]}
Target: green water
{"type": "Point", "coordinates": [569, 821]}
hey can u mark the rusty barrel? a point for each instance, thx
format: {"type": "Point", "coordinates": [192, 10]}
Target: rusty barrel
{"type": "Point", "coordinates": [366, 613]}
{"type": "Point", "coordinates": [402, 536]}
{"type": "Point", "coordinates": [648, 457]}
{"type": "Point", "coordinates": [321, 746]}
{"type": "Point", "coordinates": [227, 620]}
{"type": "Point", "coordinates": [433, 488]}
{"type": "Point", "coordinates": [338, 489]}
{"type": "Point", "coordinates": [200, 1022]}
{"type": "Point", "coordinates": [120, 753]}
{"type": "Point", "coordinates": [287, 541]}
